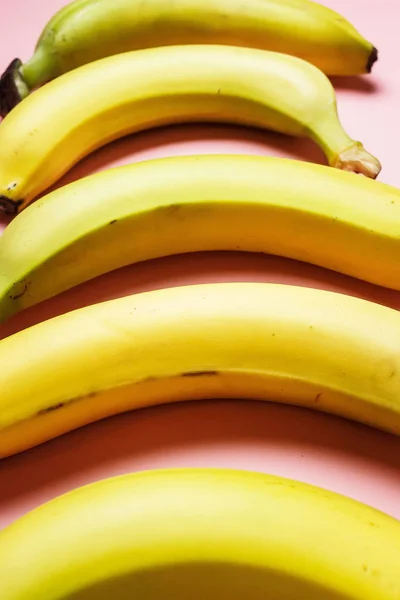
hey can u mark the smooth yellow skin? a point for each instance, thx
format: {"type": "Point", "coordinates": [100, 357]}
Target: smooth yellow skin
{"type": "Point", "coordinates": [88, 30]}
{"type": "Point", "coordinates": [201, 533]}
{"type": "Point", "coordinates": [196, 203]}
{"type": "Point", "coordinates": [73, 115]}
{"type": "Point", "coordinates": [288, 344]}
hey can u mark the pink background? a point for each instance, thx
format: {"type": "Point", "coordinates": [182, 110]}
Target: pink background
{"type": "Point", "coordinates": [327, 451]}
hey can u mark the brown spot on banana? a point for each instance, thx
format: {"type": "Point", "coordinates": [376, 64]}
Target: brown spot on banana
{"type": "Point", "coordinates": [199, 373]}
{"type": "Point", "coordinates": [67, 402]}
{"type": "Point", "coordinates": [59, 405]}
{"type": "Point", "coordinates": [19, 294]}
{"type": "Point", "coordinates": [48, 409]}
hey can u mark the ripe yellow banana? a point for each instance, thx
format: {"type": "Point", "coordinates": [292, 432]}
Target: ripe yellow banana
{"type": "Point", "coordinates": [97, 103]}
{"type": "Point", "coordinates": [300, 346]}
{"type": "Point", "coordinates": [87, 30]}
{"type": "Point", "coordinates": [183, 534]}
{"type": "Point", "coordinates": [196, 203]}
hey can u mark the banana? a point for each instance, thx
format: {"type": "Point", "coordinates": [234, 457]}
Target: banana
{"type": "Point", "coordinates": [201, 533]}
{"type": "Point", "coordinates": [87, 30]}
{"type": "Point", "coordinates": [104, 100]}
{"type": "Point", "coordinates": [195, 203]}
{"type": "Point", "coordinates": [287, 344]}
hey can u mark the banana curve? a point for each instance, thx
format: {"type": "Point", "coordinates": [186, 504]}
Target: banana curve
{"type": "Point", "coordinates": [201, 532]}
{"type": "Point", "coordinates": [264, 341]}
{"type": "Point", "coordinates": [198, 203]}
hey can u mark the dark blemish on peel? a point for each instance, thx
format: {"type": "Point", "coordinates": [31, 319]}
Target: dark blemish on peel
{"type": "Point", "coordinates": [21, 294]}
{"type": "Point", "coordinates": [317, 398]}
{"type": "Point", "coordinates": [59, 405]}
{"type": "Point", "coordinates": [49, 409]}
{"type": "Point", "coordinates": [9, 207]}
{"type": "Point", "coordinates": [113, 221]}
{"type": "Point", "coordinates": [199, 373]}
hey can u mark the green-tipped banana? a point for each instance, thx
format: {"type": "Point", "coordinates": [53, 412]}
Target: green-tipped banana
{"type": "Point", "coordinates": [87, 30]}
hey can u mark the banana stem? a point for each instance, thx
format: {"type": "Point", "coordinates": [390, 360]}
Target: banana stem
{"type": "Point", "coordinates": [8, 206]}
{"type": "Point", "coordinates": [357, 160]}
{"type": "Point", "coordinates": [372, 59]}
{"type": "Point", "coordinates": [40, 68]}
{"type": "Point", "coordinates": [13, 88]}
{"type": "Point", "coordinates": [340, 149]}
{"type": "Point", "coordinates": [19, 79]}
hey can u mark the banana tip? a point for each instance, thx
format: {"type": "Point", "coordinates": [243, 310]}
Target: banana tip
{"type": "Point", "coordinates": [356, 159]}
{"type": "Point", "coordinates": [373, 57]}
{"type": "Point", "coordinates": [9, 207]}
{"type": "Point", "coordinates": [10, 94]}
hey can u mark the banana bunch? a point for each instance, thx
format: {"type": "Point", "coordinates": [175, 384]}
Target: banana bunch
{"type": "Point", "coordinates": [108, 69]}
{"type": "Point", "coordinates": [308, 347]}
{"type": "Point", "coordinates": [201, 533]}
{"type": "Point", "coordinates": [198, 203]}
{"type": "Point", "coordinates": [87, 30]}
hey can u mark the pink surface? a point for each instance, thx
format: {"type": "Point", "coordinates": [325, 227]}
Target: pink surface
{"type": "Point", "coordinates": [320, 449]}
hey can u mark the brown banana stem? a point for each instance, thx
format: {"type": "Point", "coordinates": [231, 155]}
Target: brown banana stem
{"type": "Point", "coordinates": [357, 160]}
{"type": "Point", "coordinates": [373, 57]}
{"type": "Point", "coordinates": [12, 87]}
{"type": "Point", "coordinates": [9, 207]}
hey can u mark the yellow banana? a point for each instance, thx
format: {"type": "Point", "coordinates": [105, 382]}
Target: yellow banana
{"type": "Point", "coordinates": [300, 346]}
{"type": "Point", "coordinates": [87, 30]}
{"type": "Point", "coordinates": [195, 203]}
{"type": "Point", "coordinates": [97, 103]}
{"type": "Point", "coordinates": [184, 534]}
